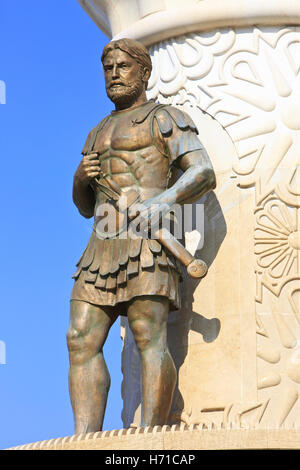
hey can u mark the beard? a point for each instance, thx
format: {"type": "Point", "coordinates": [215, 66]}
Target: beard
{"type": "Point", "coordinates": [124, 95]}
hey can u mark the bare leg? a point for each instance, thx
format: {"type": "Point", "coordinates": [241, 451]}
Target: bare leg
{"type": "Point", "coordinates": [147, 316]}
{"type": "Point", "coordinates": [89, 379]}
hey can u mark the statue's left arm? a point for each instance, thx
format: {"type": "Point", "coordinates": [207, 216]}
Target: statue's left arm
{"type": "Point", "coordinates": [197, 179]}
{"type": "Point", "coordinates": [177, 135]}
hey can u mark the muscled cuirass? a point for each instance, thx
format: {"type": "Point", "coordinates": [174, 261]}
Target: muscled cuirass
{"type": "Point", "coordinates": [129, 156]}
{"type": "Point", "coordinates": [138, 148]}
{"type": "Point", "coordinates": [132, 154]}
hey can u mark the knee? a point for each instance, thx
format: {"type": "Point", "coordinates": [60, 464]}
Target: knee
{"type": "Point", "coordinates": [81, 345]}
{"type": "Point", "coordinates": [146, 336]}
{"type": "Point", "coordinates": [148, 322]}
{"type": "Point", "coordinates": [74, 339]}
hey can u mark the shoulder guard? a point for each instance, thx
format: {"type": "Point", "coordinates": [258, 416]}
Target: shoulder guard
{"type": "Point", "coordinates": [166, 116]}
{"type": "Point", "coordinates": [91, 139]}
{"type": "Point", "coordinates": [145, 111]}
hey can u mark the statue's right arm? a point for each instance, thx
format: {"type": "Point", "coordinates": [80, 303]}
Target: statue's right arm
{"type": "Point", "coordinates": [83, 194]}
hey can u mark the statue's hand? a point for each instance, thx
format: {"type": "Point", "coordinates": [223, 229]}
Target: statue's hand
{"type": "Point", "coordinates": [146, 215]}
{"type": "Point", "coordinates": [88, 169]}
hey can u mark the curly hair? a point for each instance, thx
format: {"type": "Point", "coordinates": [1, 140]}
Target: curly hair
{"type": "Point", "coordinates": [135, 49]}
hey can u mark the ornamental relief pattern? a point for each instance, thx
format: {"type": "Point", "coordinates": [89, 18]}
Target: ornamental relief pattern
{"type": "Point", "coordinates": [277, 245]}
{"type": "Point", "coordinates": [249, 81]}
{"type": "Point", "coordinates": [277, 249]}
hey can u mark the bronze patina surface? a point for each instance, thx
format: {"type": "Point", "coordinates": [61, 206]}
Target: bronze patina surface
{"type": "Point", "coordinates": [137, 150]}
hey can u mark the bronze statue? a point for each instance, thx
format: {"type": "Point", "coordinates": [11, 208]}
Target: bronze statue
{"type": "Point", "coordinates": [136, 151]}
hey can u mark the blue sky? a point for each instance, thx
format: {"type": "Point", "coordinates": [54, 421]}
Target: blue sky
{"type": "Point", "coordinates": [50, 62]}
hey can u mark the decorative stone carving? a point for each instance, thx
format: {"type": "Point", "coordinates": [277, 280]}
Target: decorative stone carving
{"type": "Point", "coordinates": [249, 82]}
{"type": "Point", "coordinates": [151, 21]}
{"type": "Point", "coordinates": [175, 437]}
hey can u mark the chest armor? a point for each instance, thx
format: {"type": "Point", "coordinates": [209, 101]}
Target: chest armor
{"type": "Point", "coordinates": [137, 149]}
{"type": "Point", "coordinates": [131, 154]}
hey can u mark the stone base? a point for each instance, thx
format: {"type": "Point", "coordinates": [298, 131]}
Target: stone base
{"type": "Point", "coordinates": [177, 437]}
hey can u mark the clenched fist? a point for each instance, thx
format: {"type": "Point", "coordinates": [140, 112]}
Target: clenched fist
{"type": "Point", "coordinates": [88, 169]}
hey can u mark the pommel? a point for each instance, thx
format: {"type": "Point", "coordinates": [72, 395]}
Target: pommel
{"type": "Point", "coordinates": [197, 268]}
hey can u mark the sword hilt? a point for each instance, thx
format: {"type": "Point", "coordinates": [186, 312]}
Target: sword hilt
{"type": "Point", "coordinates": [197, 268]}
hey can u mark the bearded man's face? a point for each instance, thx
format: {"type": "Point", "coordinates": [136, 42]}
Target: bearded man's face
{"type": "Point", "coordinates": [123, 78]}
